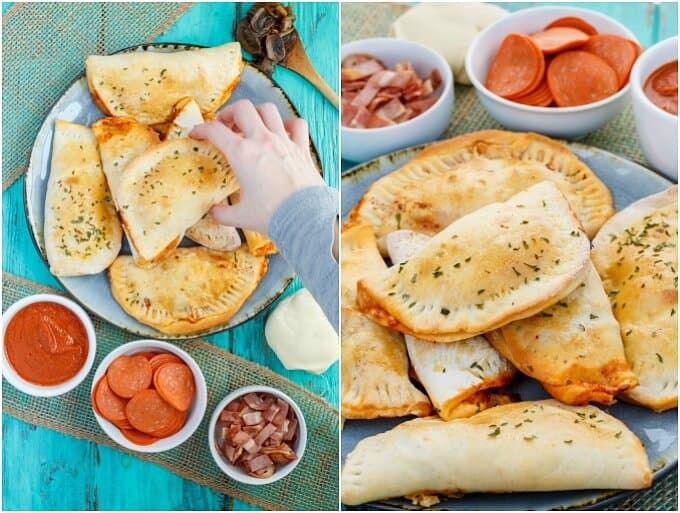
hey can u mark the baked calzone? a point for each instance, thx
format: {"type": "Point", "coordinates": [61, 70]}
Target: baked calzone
{"type": "Point", "coordinates": [192, 290]}
{"type": "Point", "coordinates": [452, 374]}
{"type": "Point", "coordinates": [573, 348]}
{"type": "Point", "coordinates": [374, 368]}
{"type": "Point", "coordinates": [636, 255]}
{"type": "Point", "coordinates": [147, 85]}
{"type": "Point", "coordinates": [375, 378]}
{"type": "Point", "coordinates": [452, 178]}
{"type": "Point", "coordinates": [186, 172]}
{"type": "Point", "coordinates": [531, 446]}
{"type": "Point", "coordinates": [82, 232]}
{"type": "Point", "coordinates": [120, 140]}
{"type": "Point", "coordinates": [206, 231]}
{"type": "Point", "coordinates": [505, 261]}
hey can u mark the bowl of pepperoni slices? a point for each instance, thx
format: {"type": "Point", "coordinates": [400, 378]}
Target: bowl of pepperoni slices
{"type": "Point", "coordinates": [559, 71]}
{"type": "Point", "coordinates": [257, 435]}
{"type": "Point", "coordinates": [149, 396]}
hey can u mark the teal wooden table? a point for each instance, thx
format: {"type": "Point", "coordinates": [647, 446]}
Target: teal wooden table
{"type": "Point", "coordinates": [43, 469]}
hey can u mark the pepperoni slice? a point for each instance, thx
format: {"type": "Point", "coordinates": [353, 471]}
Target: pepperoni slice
{"type": "Point", "coordinates": [557, 39]}
{"type": "Point", "coordinates": [179, 424]}
{"type": "Point", "coordinates": [539, 97]}
{"type": "Point", "coordinates": [92, 396]}
{"type": "Point", "coordinates": [149, 413]}
{"type": "Point", "coordinates": [110, 406]}
{"type": "Point", "coordinates": [637, 47]}
{"type": "Point", "coordinates": [517, 67]}
{"type": "Point", "coordinates": [127, 375]}
{"type": "Point", "coordinates": [175, 383]}
{"type": "Point", "coordinates": [163, 358]}
{"type": "Point", "coordinates": [578, 78]}
{"type": "Point", "coordinates": [137, 437]}
{"type": "Point", "coordinates": [573, 22]}
{"type": "Point", "coordinates": [123, 424]}
{"type": "Point", "coordinates": [615, 51]}
{"type": "Point", "coordinates": [147, 354]}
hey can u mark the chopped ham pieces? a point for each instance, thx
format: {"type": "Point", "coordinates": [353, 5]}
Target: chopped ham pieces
{"type": "Point", "coordinates": [361, 70]}
{"type": "Point", "coordinates": [240, 438]}
{"type": "Point", "coordinates": [280, 453]}
{"type": "Point", "coordinates": [392, 109]}
{"type": "Point", "coordinates": [232, 454]}
{"type": "Point", "coordinates": [374, 96]}
{"type": "Point", "coordinates": [291, 429]}
{"type": "Point", "coordinates": [252, 418]}
{"type": "Point", "coordinates": [229, 416]}
{"type": "Point", "coordinates": [265, 433]}
{"type": "Point", "coordinates": [254, 401]}
{"type": "Point", "coordinates": [251, 446]}
{"type": "Point", "coordinates": [262, 466]}
{"type": "Point", "coordinates": [257, 431]}
{"type": "Point", "coordinates": [282, 413]}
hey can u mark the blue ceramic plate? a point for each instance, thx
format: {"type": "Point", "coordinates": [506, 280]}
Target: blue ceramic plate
{"type": "Point", "coordinates": [659, 432]}
{"type": "Point", "coordinates": [93, 292]}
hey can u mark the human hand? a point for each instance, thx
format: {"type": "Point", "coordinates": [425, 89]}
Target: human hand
{"type": "Point", "coordinates": [270, 158]}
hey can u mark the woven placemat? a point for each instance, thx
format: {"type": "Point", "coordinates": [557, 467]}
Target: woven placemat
{"type": "Point", "coordinates": [364, 20]}
{"type": "Point", "coordinates": [313, 485]}
{"type": "Point", "coordinates": [44, 47]}
{"type": "Point", "coordinates": [663, 496]}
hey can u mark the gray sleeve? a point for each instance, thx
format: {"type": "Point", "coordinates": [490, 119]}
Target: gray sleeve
{"type": "Point", "coordinates": [303, 230]}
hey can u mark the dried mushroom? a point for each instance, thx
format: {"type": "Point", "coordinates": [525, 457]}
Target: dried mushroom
{"type": "Point", "coordinates": [276, 51]}
{"type": "Point", "coordinates": [261, 21]}
{"type": "Point", "coordinates": [248, 39]}
{"type": "Point", "coordinates": [267, 32]}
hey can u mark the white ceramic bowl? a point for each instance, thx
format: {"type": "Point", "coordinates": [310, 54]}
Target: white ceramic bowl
{"type": "Point", "coordinates": [563, 122]}
{"type": "Point", "coordinates": [195, 412]}
{"type": "Point", "coordinates": [656, 128]}
{"type": "Point", "coordinates": [235, 472]}
{"type": "Point", "coordinates": [361, 144]}
{"type": "Point", "coordinates": [48, 391]}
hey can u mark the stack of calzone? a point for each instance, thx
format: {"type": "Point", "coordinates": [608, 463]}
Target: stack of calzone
{"type": "Point", "coordinates": [137, 171]}
{"type": "Point", "coordinates": [488, 271]}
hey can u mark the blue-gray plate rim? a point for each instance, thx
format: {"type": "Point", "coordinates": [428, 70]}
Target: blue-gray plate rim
{"type": "Point", "coordinates": [627, 181]}
{"type": "Point", "coordinates": [93, 292]}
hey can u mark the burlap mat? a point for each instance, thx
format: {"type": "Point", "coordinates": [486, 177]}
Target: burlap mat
{"type": "Point", "coordinates": [313, 485]}
{"type": "Point", "coordinates": [44, 48]}
{"type": "Point", "coordinates": [360, 21]}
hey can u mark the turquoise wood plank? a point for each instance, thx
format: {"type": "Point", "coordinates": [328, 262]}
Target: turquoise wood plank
{"type": "Point", "coordinates": [667, 21]}
{"type": "Point", "coordinates": [63, 476]}
{"type": "Point", "coordinates": [55, 471]}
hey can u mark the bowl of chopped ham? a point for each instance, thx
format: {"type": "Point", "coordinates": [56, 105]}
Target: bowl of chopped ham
{"type": "Point", "coordinates": [257, 435]}
{"type": "Point", "coordinates": [395, 93]}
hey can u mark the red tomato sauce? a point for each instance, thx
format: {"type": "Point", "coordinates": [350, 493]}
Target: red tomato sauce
{"type": "Point", "coordinates": [661, 87]}
{"type": "Point", "coordinates": [46, 343]}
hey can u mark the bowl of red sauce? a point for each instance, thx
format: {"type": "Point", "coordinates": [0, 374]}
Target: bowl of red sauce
{"type": "Point", "coordinates": [48, 344]}
{"type": "Point", "coordinates": [257, 435]}
{"type": "Point", "coordinates": [654, 82]}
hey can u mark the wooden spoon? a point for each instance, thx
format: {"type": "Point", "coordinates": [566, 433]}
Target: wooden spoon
{"type": "Point", "coordinates": [297, 61]}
